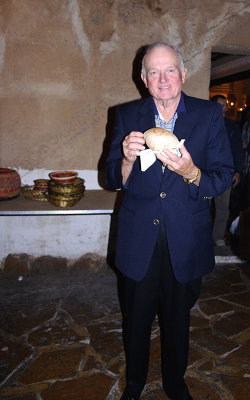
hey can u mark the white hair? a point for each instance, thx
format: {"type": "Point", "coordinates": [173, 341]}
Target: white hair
{"type": "Point", "coordinates": [161, 44]}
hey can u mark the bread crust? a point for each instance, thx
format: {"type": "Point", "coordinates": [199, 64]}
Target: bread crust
{"type": "Point", "coordinates": [158, 139]}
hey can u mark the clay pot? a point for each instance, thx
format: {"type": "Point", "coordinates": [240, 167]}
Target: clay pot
{"type": "Point", "coordinates": [10, 183]}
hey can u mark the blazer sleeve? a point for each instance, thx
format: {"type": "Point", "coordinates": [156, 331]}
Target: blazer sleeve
{"type": "Point", "coordinates": [113, 162]}
{"type": "Point", "coordinates": [217, 176]}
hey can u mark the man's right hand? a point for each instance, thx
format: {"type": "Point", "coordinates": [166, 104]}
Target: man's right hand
{"type": "Point", "coordinates": [132, 145]}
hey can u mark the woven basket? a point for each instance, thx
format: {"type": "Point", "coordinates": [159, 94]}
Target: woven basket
{"type": "Point", "coordinates": [32, 194]}
{"type": "Point", "coordinates": [10, 183]}
{"type": "Point", "coordinates": [65, 195]}
{"type": "Point", "coordinates": [76, 187]}
{"type": "Point", "coordinates": [62, 201]}
{"type": "Point", "coordinates": [41, 184]}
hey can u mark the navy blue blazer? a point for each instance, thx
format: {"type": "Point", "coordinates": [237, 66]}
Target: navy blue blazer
{"type": "Point", "coordinates": [186, 212]}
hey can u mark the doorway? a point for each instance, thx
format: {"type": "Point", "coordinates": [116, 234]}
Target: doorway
{"type": "Point", "coordinates": [230, 76]}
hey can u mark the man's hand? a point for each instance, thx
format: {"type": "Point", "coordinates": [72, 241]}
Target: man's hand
{"type": "Point", "coordinates": [183, 165]}
{"type": "Point", "coordinates": [236, 179]}
{"type": "Point", "coordinates": [131, 145]}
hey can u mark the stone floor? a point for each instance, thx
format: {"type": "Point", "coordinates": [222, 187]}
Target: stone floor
{"type": "Point", "coordinates": [60, 333]}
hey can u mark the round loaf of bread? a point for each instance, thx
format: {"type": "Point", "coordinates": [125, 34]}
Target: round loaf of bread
{"type": "Point", "coordinates": [158, 139]}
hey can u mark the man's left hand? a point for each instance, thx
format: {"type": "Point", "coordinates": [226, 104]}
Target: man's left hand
{"type": "Point", "coordinates": [183, 165]}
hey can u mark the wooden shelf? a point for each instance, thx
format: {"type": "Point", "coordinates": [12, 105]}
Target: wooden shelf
{"type": "Point", "coordinates": [93, 202]}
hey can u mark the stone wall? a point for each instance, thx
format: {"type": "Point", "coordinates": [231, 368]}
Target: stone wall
{"type": "Point", "coordinates": [64, 63]}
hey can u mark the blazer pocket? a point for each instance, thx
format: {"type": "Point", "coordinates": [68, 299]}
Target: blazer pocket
{"type": "Point", "coordinates": [201, 220]}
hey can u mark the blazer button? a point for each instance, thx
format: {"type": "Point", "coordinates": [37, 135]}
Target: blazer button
{"type": "Point", "coordinates": [163, 195]}
{"type": "Point", "coordinates": [156, 221]}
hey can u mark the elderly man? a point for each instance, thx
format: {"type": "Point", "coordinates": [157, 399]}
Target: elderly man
{"type": "Point", "coordinates": [164, 243]}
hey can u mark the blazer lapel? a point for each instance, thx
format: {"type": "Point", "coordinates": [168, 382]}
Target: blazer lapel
{"type": "Point", "coordinates": [184, 125]}
{"type": "Point", "coordinates": [146, 118]}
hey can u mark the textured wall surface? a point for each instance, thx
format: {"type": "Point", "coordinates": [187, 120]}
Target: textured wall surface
{"type": "Point", "coordinates": [64, 63]}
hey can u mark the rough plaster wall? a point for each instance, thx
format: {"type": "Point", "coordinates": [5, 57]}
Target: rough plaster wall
{"type": "Point", "coordinates": [63, 63]}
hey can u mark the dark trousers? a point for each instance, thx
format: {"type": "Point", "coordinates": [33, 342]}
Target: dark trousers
{"type": "Point", "coordinates": [158, 294]}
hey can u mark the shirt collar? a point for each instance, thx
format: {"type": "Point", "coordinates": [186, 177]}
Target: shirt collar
{"type": "Point", "coordinates": [180, 108]}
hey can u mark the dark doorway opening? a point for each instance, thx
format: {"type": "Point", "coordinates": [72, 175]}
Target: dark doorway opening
{"type": "Point", "coordinates": [230, 76]}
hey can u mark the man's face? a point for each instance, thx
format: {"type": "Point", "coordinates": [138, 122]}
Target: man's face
{"type": "Point", "coordinates": [223, 103]}
{"type": "Point", "coordinates": [163, 78]}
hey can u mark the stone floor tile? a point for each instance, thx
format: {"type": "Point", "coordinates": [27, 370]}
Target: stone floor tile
{"type": "Point", "coordinates": [154, 392]}
{"type": "Point", "coordinates": [16, 319]}
{"type": "Point", "coordinates": [224, 279]}
{"type": "Point", "coordinates": [218, 367]}
{"type": "Point", "coordinates": [116, 364]}
{"type": "Point", "coordinates": [237, 386]}
{"type": "Point", "coordinates": [92, 387]}
{"type": "Point", "coordinates": [239, 359]}
{"type": "Point", "coordinates": [12, 355]}
{"type": "Point", "coordinates": [106, 338]}
{"type": "Point", "coordinates": [194, 355]}
{"type": "Point", "coordinates": [214, 306]}
{"type": "Point", "coordinates": [54, 333]}
{"type": "Point", "coordinates": [20, 397]}
{"type": "Point", "coordinates": [243, 337]}
{"type": "Point", "coordinates": [241, 299]}
{"type": "Point", "coordinates": [93, 362]}
{"type": "Point", "coordinates": [122, 380]}
{"type": "Point", "coordinates": [15, 390]}
{"type": "Point", "coordinates": [94, 293]}
{"type": "Point", "coordinates": [80, 312]}
{"type": "Point", "coordinates": [232, 324]}
{"type": "Point", "coordinates": [201, 389]}
{"type": "Point", "coordinates": [207, 365]}
{"type": "Point", "coordinates": [196, 321]}
{"type": "Point", "coordinates": [55, 365]}
{"type": "Point", "coordinates": [205, 339]}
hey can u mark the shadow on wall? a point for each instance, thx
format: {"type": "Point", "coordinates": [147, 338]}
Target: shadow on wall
{"type": "Point", "coordinates": [143, 92]}
{"type": "Point", "coordinates": [106, 147]}
{"type": "Point", "coordinates": [136, 77]}
{"type": "Point", "coordinates": [136, 72]}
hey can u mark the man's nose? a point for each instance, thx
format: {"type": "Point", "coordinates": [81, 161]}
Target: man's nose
{"type": "Point", "coordinates": [163, 76]}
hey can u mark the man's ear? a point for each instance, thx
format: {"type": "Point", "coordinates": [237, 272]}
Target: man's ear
{"type": "Point", "coordinates": [144, 80]}
{"type": "Point", "coordinates": [183, 75]}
